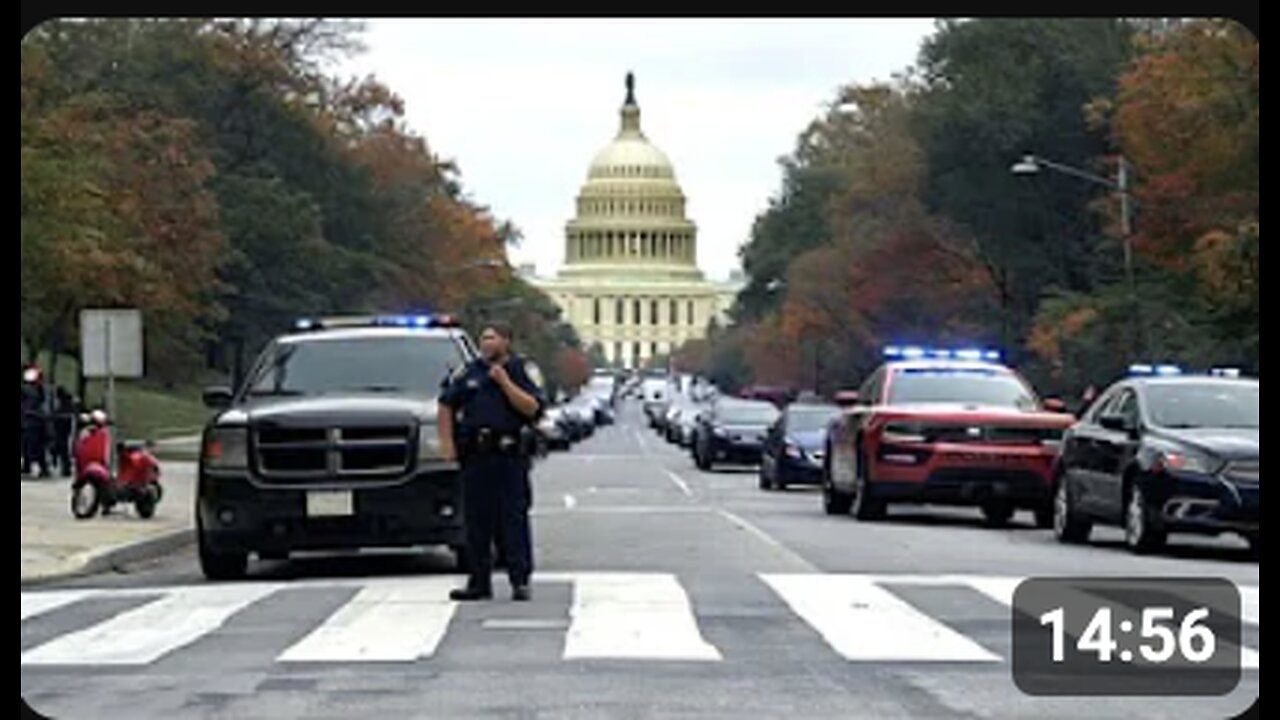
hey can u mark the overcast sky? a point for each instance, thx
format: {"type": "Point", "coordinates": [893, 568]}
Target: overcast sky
{"type": "Point", "coordinates": [523, 105]}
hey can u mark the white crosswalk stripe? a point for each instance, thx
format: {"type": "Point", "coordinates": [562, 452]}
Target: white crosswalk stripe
{"type": "Point", "coordinates": [145, 634]}
{"type": "Point", "coordinates": [613, 616]}
{"type": "Point", "coordinates": [34, 604]}
{"type": "Point", "coordinates": [398, 622]}
{"type": "Point", "coordinates": [633, 616]}
{"type": "Point", "coordinates": [862, 621]}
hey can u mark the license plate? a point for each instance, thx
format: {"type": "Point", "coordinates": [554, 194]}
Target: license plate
{"type": "Point", "coordinates": [330, 503]}
{"type": "Point", "coordinates": [988, 460]}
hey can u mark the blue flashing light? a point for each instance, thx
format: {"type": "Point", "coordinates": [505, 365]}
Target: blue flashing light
{"type": "Point", "coordinates": [914, 352]}
{"type": "Point", "coordinates": [1225, 372]}
{"type": "Point", "coordinates": [1168, 370]}
{"type": "Point", "coordinates": [1141, 369]}
{"type": "Point", "coordinates": [421, 321]}
{"type": "Point", "coordinates": [303, 324]}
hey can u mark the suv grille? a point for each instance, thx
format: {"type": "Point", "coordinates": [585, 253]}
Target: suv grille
{"type": "Point", "coordinates": [314, 453]}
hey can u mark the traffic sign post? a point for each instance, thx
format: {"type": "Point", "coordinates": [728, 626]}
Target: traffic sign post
{"type": "Point", "coordinates": [110, 348]}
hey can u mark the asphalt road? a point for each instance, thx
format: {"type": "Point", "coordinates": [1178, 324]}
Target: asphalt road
{"type": "Point", "coordinates": [661, 591]}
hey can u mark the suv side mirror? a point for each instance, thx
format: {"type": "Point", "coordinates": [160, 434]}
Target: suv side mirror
{"type": "Point", "coordinates": [1118, 423]}
{"type": "Point", "coordinates": [218, 397]}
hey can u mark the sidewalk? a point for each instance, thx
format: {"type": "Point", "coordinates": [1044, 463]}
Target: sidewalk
{"type": "Point", "coordinates": [56, 545]}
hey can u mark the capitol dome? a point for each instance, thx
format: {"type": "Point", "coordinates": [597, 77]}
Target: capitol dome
{"type": "Point", "coordinates": [630, 284]}
{"type": "Point", "coordinates": [631, 210]}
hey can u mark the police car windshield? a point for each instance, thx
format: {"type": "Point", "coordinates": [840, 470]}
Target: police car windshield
{"type": "Point", "coordinates": [314, 366]}
{"type": "Point", "coordinates": [811, 419]}
{"type": "Point", "coordinates": [1204, 405]}
{"type": "Point", "coordinates": [965, 386]}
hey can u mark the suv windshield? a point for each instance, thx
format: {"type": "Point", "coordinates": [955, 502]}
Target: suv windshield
{"type": "Point", "coordinates": [1208, 405]}
{"type": "Point", "coordinates": [965, 386]}
{"type": "Point", "coordinates": [312, 366]}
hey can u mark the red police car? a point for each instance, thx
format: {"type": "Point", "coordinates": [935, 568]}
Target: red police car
{"type": "Point", "coordinates": [944, 427]}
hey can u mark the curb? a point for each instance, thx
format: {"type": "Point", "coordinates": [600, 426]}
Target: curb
{"type": "Point", "coordinates": [93, 562]}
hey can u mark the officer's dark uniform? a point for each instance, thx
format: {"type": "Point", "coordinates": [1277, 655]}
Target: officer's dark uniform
{"type": "Point", "coordinates": [34, 429]}
{"type": "Point", "coordinates": [63, 428]}
{"type": "Point", "coordinates": [495, 458]}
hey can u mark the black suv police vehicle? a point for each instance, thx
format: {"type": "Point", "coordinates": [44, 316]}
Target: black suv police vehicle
{"type": "Point", "coordinates": [331, 444]}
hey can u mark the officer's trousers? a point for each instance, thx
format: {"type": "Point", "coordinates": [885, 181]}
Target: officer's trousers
{"type": "Point", "coordinates": [497, 494]}
{"type": "Point", "coordinates": [34, 451]}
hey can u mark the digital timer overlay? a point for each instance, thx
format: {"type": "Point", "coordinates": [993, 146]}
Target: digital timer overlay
{"type": "Point", "coordinates": [1108, 636]}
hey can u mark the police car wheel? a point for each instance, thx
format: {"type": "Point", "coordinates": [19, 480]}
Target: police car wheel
{"type": "Point", "coordinates": [1067, 526]}
{"type": "Point", "coordinates": [866, 506]}
{"type": "Point", "coordinates": [219, 565]}
{"type": "Point", "coordinates": [1142, 532]}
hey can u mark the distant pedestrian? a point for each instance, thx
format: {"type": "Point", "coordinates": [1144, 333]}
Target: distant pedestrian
{"type": "Point", "coordinates": [64, 416]}
{"type": "Point", "coordinates": [34, 423]}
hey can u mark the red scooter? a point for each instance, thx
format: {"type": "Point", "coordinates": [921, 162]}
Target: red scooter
{"type": "Point", "coordinates": [137, 479]}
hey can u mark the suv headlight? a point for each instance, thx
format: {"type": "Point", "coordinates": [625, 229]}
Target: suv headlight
{"type": "Point", "coordinates": [1187, 462]}
{"type": "Point", "coordinates": [901, 432]}
{"type": "Point", "coordinates": [226, 448]}
{"type": "Point", "coordinates": [429, 442]}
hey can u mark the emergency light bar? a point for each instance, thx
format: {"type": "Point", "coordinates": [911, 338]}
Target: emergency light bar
{"type": "Point", "coordinates": [911, 352]}
{"type": "Point", "coordinates": [1225, 372]}
{"type": "Point", "coordinates": [358, 321]}
{"type": "Point", "coordinates": [1155, 370]}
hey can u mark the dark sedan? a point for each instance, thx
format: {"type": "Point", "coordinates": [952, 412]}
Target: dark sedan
{"type": "Point", "coordinates": [733, 431]}
{"type": "Point", "coordinates": [794, 448]}
{"type": "Point", "coordinates": [1157, 455]}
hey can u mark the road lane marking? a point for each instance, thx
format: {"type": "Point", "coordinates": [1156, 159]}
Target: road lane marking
{"type": "Point", "coordinates": [632, 616]}
{"type": "Point", "coordinates": [862, 621]}
{"type": "Point", "coordinates": [680, 483]}
{"type": "Point", "coordinates": [145, 634]}
{"type": "Point", "coordinates": [398, 622]}
{"type": "Point", "coordinates": [644, 446]}
{"type": "Point", "coordinates": [768, 539]}
{"type": "Point", "coordinates": [623, 510]}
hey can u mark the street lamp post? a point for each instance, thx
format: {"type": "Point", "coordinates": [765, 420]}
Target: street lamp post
{"type": "Point", "coordinates": [1031, 164]}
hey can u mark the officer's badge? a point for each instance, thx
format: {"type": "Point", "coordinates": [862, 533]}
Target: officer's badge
{"type": "Point", "coordinates": [534, 373]}
{"type": "Point", "coordinates": [473, 384]}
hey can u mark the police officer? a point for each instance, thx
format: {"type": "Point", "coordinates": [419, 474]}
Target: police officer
{"type": "Point", "coordinates": [64, 415]}
{"type": "Point", "coordinates": [487, 411]}
{"type": "Point", "coordinates": [34, 422]}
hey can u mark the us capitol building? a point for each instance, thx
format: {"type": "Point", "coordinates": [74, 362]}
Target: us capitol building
{"type": "Point", "coordinates": [630, 280]}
